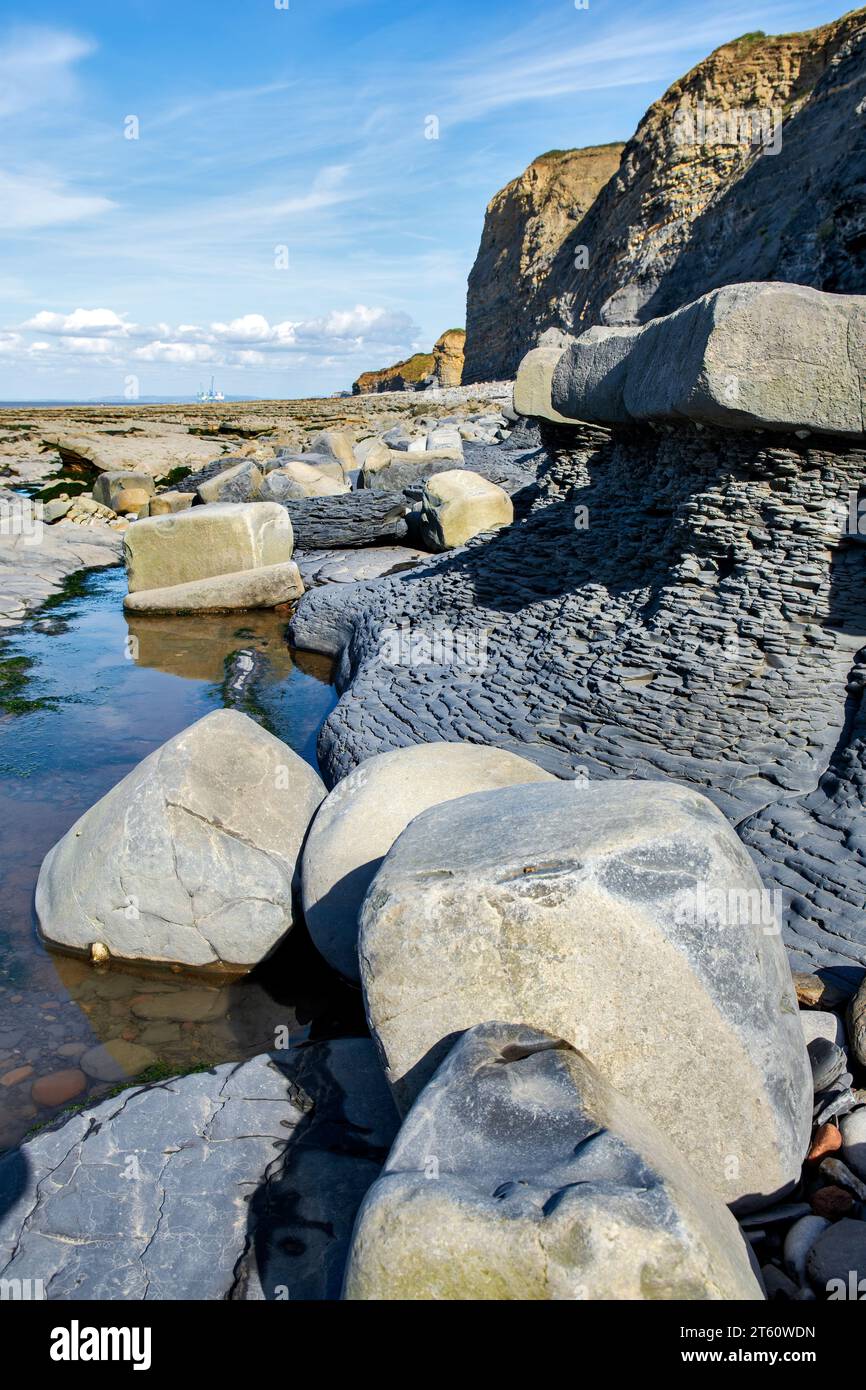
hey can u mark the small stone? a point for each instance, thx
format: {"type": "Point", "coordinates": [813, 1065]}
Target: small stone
{"type": "Point", "coordinates": [819, 1023]}
{"type": "Point", "coordinates": [58, 1087]}
{"type": "Point", "coordinates": [71, 1049]}
{"type": "Point", "coordinates": [799, 1241]}
{"type": "Point", "coordinates": [12, 1078]}
{"type": "Point", "coordinates": [186, 1006]}
{"type": "Point", "coordinates": [116, 1060]}
{"type": "Point", "coordinates": [826, 1141]}
{"type": "Point", "coordinates": [837, 1172]}
{"type": "Point", "coordinates": [831, 1202]}
{"type": "Point", "coordinates": [813, 992]}
{"type": "Point", "coordinates": [99, 953]}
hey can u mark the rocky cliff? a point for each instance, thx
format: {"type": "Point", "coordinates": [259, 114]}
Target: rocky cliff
{"type": "Point", "coordinates": [752, 166]}
{"type": "Point", "coordinates": [524, 228]}
{"type": "Point", "coordinates": [441, 367]}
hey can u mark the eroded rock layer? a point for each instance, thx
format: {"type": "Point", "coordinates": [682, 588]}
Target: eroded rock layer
{"type": "Point", "coordinates": [674, 602]}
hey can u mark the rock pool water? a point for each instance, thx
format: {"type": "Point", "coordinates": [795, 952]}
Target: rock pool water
{"type": "Point", "coordinates": [87, 696]}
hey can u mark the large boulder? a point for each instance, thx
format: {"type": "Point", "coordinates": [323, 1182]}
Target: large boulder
{"type": "Point", "coordinates": [405, 468]}
{"type": "Point", "coordinates": [520, 1174]}
{"type": "Point", "coordinates": [191, 859]}
{"type": "Point", "coordinates": [206, 541]}
{"type": "Point", "coordinates": [266, 587]}
{"type": "Point", "coordinates": [458, 505]}
{"type": "Point", "coordinates": [336, 444]}
{"type": "Point", "coordinates": [623, 916]}
{"type": "Point", "coordinates": [770, 356]}
{"type": "Point", "coordinates": [361, 818]}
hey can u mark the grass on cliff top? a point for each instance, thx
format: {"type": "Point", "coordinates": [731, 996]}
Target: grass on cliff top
{"type": "Point", "coordinates": [753, 36]}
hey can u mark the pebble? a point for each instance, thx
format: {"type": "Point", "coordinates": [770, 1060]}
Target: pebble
{"type": "Point", "coordinates": [832, 1202]}
{"type": "Point", "coordinates": [777, 1283]}
{"type": "Point", "coordinates": [12, 1078]}
{"type": "Point", "coordinates": [184, 1006]}
{"type": "Point", "coordinates": [826, 1141]}
{"type": "Point", "coordinates": [58, 1087]}
{"type": "Point", "coordinates": [116, 1060]}
{"type": "Point", "coordinates": [71, 1049]}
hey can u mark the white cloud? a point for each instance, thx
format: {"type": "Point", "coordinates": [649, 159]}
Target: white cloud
{"type": "Point", "coordinates": [36, 65]}
{"type": "Point", "coordinates": [94, 322]}
{"type": "Point", "coordinates": [27, 201]}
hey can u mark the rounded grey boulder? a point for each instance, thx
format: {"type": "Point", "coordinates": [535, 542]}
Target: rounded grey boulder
{"type": "Point", "coordinates": [623, 916]}
{"type": "Point", "coordinates": [359, 821]}
{"type": "Point", "coordinates": [520, 1174]}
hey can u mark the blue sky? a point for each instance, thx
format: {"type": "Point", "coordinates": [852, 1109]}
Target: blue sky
{"type": "Point", "coordinates": [282, 219]}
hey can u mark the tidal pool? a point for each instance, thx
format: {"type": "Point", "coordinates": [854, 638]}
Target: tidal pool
{"type": "Point", "coordinates": [86, 695]}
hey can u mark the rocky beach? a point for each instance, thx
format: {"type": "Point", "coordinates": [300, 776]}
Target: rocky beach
{"type": "Point", "coordinates": [433, 812]}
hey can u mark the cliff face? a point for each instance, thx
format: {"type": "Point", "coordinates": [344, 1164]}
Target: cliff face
{"type": "Point", "coordinates": [525, 226]}
{"type": "Point", "coordinates": [751, 167]}
{"type": "Point", "coordinates": [441, 367]}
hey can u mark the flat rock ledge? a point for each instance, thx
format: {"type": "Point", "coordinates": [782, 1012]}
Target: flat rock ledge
{"type": "Point", "coordinates": [238, 1183]}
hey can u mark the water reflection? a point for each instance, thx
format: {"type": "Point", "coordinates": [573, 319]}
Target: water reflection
{"type": "Point", "coordinates": [108, 693]}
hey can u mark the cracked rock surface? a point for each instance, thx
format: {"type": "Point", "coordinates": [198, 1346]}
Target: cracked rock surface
{"type": "Point", "coordinates": [238, 1183]}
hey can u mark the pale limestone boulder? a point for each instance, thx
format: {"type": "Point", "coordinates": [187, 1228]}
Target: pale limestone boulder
{"type": "Point", "coordinates": [623, 916]}
{"type": "Point", "coordinates": [191, 859]}
{"type": "Point", "coordinates": [337, 443]}
{"type": "Point", "coordinates": [521, 1175]}
{"type": "Point", "coordinates": [205, 541]}
{"type": "Point", "coordinates": [124, 492]}
{"type": "Point", "coordinates": [756, 355]}
{"type": "Point", "coordinates": [294, 479]}
{"type": "Point", "coordinates": [166, 503]}
{"type": "Point", "coordinates": [260, 588]}
{"type": "Point", "coordinates": [533, 382]}
{"type": "Point", "coordinates": [240, 483]}
{"type": "Point", "coordinates": [361, 818]}
{"type": "Point", "coordinates": [458, 505]}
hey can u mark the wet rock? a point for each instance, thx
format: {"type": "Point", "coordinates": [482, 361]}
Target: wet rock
{"type": "Point", "coordinates": [546, 1185]}
{"type": "Point", "coordinates": [359, 821]}
{"type": "Point", "coordinates": [116, 1060]}
{"type": "Point", "coordinates": [58, 1087]}
{"type": "Point", "coordinates": [15, 1076]}
{"type": "Point", "coordinates": [247, 1181]}
{"type": "Point", "coordinates": [186, 1006]}
{"type": "Point", "coordinates": [527, 902]}
{"type": "Point", "coordinates": [191, 858]}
